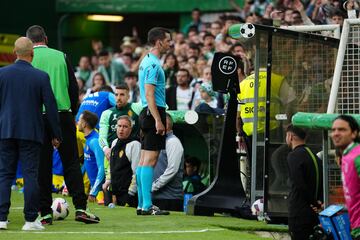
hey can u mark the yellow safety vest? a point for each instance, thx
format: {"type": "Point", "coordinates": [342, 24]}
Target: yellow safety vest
{"type": "Point", "coordinates": [246, 96]}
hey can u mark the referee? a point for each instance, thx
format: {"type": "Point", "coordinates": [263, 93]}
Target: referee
{"type": "Point", "coordinates": [152, 118]}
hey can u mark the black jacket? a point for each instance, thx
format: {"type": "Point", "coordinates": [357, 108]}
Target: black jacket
{"type": "Point", "coordinates": [302, 174]}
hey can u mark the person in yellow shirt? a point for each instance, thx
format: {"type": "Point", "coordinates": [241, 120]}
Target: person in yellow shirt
{"type": "Point", "coordinates": [281, 99]}
{"type": "Point", "coordinates": [281, 95]}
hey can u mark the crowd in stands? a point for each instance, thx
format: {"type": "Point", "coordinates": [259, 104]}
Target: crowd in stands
{"type": "Point", "coordinates": [187, 65]}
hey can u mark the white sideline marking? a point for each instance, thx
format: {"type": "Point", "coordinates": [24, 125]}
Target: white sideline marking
{"type": "Point", "coordinates": [16, 208]}
{"type": "Point", "coordinates": [125, 233]}
{"type": "Point", "coordinates": [97, 208]}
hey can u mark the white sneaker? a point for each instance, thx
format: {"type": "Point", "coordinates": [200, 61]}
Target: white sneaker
{"type": "Point", "coordinates": [3, 225]}
{"type": "Point", "coordinates": [33, 226]}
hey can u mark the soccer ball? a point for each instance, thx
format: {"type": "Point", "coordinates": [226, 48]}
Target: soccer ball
{"type": "Point", "coordinates": [60, 209]}
{"type": "Point", "coordinates": [247, 30]}
{"type": "Point", "coordinates": [257, 207]}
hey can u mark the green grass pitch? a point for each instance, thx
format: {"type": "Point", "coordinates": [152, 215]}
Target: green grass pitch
{"type": "Point", "coordinates": [122, 223]}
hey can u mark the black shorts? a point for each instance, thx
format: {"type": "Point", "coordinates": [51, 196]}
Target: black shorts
{"type": "Point", "coordinates": [148, 137]}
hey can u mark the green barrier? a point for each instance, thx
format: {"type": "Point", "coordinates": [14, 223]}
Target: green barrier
{"type": "Point", "coordinates": [317, 120]}
{"type": "Point", "coordinates": [177, 115]}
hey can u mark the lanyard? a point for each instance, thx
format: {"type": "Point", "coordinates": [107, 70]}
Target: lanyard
{"type": "Point", "coordinates": [316, 170]}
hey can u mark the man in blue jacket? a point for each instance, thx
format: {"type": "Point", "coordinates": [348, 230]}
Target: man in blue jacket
{"type": "Point", "coordinates": [23, 92]}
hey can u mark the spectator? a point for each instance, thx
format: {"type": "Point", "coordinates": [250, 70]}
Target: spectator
{"type": "Point", "coordinates": [201, 64]}
{"type": "Point", "coordinates": [299, 15]}
{"type": "Point", "coordinates": [192, 180]}
{"type": "Point", "coordinates": [125, 156]}
{"type": "Point", "coordinates": [337, 17]}
{"type": "Point", "coordinates": [179, 37]}
{"type": "Point", "coordinates": [167, 190]}
{"type": "Point", "coordinates": [84, 71]}
{"type": "Point", "coordinates": [253, 17]}
{"type": "Point", "coordinates": [268, 10]}
{"type": "Point", "coordinates": [193, 50]}
{"type": "Point", "coordinates": [98, 82]}
{"type": "Point", "coordinates": [63, 82]}
{"type": "Point", "coordinates": [171, 67]}
{"type": "Point", "coordinates": [180, 97]}
{"type": "Point", "coordinates": [127, 60]}
{"type": "Point", "coordinates": [180, 52]}
{"type": "Point", "coordinates": [196, 83]}
{"type": "Point", "coordinates": [196, 22]}
{"type": "Point", "coordinates": [97, 46]}
{"type": "Point", "coordinates": [222, 41]}
{"type": "Point", "coordinates": [242, 11]}
{"type": "Point", "coordinates": [127, 48]}
{"type": "Point", "coordinates": [260, 7]}
{"type": "Point", "coordinates": [206, 75]}
{"type": "Point", "coordinates": [112, 70]}
{"type": "Point", "coordinates": [193, 36]}
{"type": "Point", "coordinates": [208, 95]}
{"type": "Point", "coordinates": [296, 18]}
{"type": "Point", "coordinates": [208, 102]}
{"type": "Point", "coordinates": [208, 49]}
{"type": "Point", "coordinates": [288, 17]}
{"type": "Point", "coordinates": [131, 79]}
{"type": "Point", "coordinates": [238, 50]}
{"type": "Point", "coordinates": [215, 28]}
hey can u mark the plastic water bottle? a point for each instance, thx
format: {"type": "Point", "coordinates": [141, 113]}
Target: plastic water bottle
{"type": "Point", "coordinates": [187, 197]}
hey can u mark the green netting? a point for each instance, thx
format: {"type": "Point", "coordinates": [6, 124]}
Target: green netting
{"type": "Point", "coordinates": [317, 120]}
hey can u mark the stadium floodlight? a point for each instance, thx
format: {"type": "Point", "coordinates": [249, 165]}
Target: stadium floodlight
{"type": "Point", "coordinates": [105, 18]}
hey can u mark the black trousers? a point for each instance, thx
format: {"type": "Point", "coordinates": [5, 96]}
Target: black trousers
{"type": "Point", "coordinates": [122, 199]}
{"type": "Point", "coordinates": [300, 228]}
{"type": "Point", "coordinates": [28, 153]}
{"type": "Point", "coordinates": [70, 161]}
{"type": "Point", "coordinates": [169, 204]}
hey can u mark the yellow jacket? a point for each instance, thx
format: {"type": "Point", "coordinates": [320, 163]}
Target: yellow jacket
{"type": "Point", "coordinates": [246, 96]}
